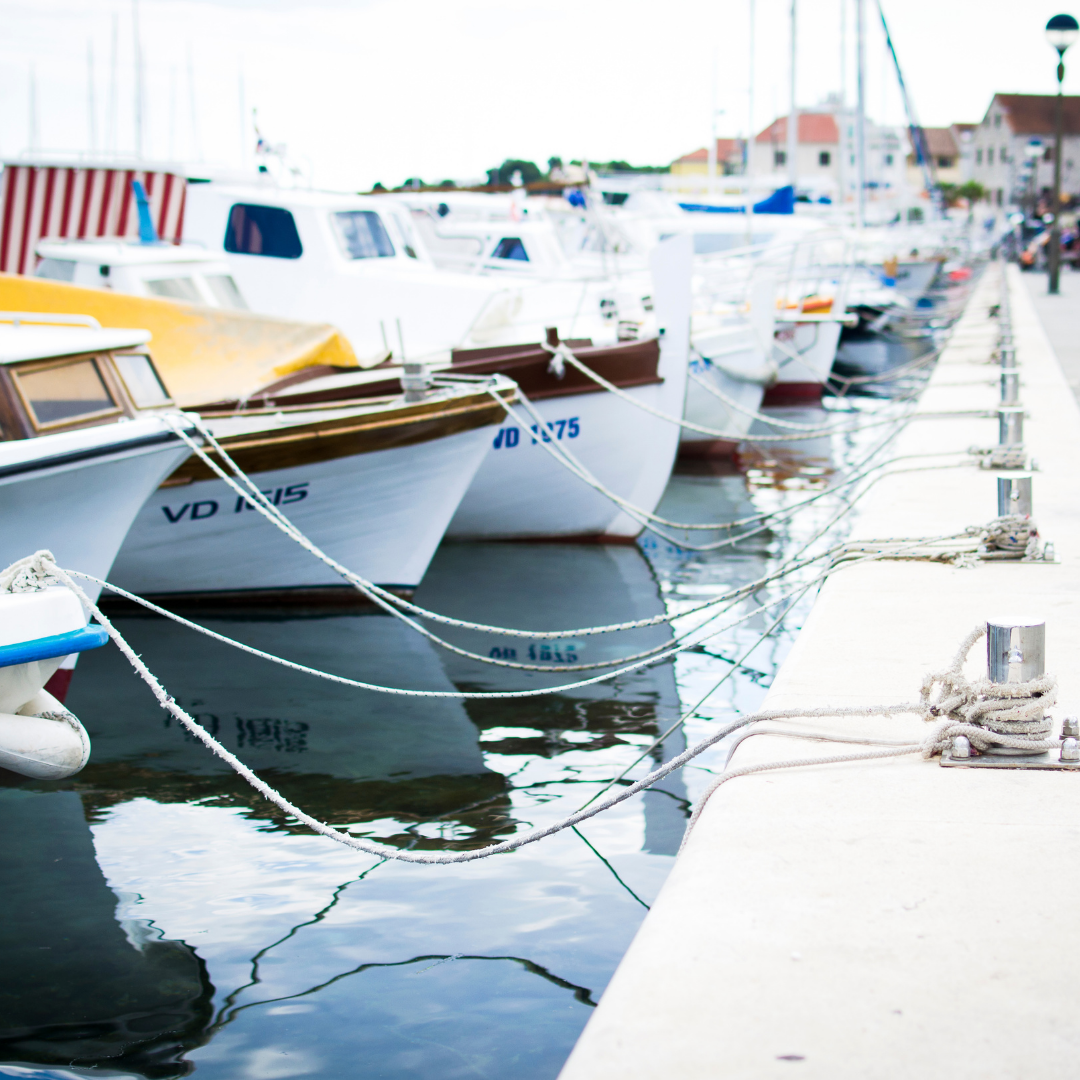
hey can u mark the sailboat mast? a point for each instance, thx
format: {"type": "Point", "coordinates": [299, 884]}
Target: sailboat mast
{"type": "Point", "coordinates": [793, 117]}
{"type": "Point", "coordinates": [860, 118]}
{"type": "Point", "coordinates": [748, 146]}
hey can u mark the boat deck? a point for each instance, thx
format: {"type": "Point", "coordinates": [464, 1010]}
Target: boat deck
{"type": "Point", "coordinates": [890, 918]}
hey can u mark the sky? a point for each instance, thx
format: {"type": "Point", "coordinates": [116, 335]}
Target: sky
{"type": "Point", "coordinates": [361, 91]}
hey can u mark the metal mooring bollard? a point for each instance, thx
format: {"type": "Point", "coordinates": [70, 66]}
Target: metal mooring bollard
{"type": "Point", "coordinates": [1014, 496]}
{"type": "Point", "coordinates": [1010, 425]}
{"type": "Point", "coordinates": [1010, 387]}
{"type": "Point", "coordinates": [1015, 649]}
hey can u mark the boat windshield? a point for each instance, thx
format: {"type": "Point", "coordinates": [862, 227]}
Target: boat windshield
{"type": "Point", "coordinates": [362, 235]}
{"type": "Point", "coordinates": [176, 288]}
{"type": "Point", "coordinates": [142, 380]}
{"type": "Point", "coordinates": [225, 291]}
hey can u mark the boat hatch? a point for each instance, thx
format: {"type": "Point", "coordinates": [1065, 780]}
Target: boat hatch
{"type": "Point", "coordinates": [60, 393]}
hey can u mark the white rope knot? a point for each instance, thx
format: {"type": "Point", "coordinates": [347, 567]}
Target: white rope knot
{"type": "Point", "coordinates": [1013, 533]}
{"type": "Point", "coordinates": [989, 714]}
{"type": "Point", "coordinates": [32, 574]}
{"type": "Point", "coordinates": [557, 366]}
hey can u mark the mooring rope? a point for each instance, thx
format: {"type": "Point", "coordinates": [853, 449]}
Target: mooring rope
{"type": "Point", "coordinates": [1009, 715]}
{"type": "Point", "coordinates": [40, 570]}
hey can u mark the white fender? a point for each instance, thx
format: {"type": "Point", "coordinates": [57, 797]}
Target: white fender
{"type": "Point", "coordinates": [43, 740]}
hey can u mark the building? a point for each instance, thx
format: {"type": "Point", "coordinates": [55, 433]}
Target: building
{"type": "Point", "coordinates": [1018, 130]}
{"type": "Point", "coordinates": [818, 150]}
{"type": "Point", "coordinates": [826, 155]}
{"type": "Point", "coordinates": [730, 157]}
{"type": "Point", "coordinates": [943, 152]}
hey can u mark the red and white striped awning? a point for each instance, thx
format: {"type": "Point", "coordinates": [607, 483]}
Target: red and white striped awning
{"type": "Point", "coordinates": [72, 202]}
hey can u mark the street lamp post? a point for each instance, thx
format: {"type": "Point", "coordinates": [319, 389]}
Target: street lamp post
{"type": "Point", "coordinates": [1061, 32]}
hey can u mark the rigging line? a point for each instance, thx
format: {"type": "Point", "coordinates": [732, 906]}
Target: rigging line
{"type": "Point", "coordinates": [641, 516]}
{"type": "Point", "coordinates": [614, 872]}
{"type": "Point", "coordinates": [379, 596]}
{"type": "Point", "coordinates": [735, 665]}
{"type": "Point", "coordinates": [318, 917]}
{"type": "Point", "coordinates": [456, 694]}
{"type": "Point", "coordinates": [581, 993]}
{"type": "Point", "coordinates": [169, 704]}
{"type": "Point", "coordinates": [645, 518]}
{"type": "Point", "coordinates": [689, 425]}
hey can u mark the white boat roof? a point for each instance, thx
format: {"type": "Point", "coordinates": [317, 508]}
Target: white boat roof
{"type": "Point", "coordinates": [35, 342]}
{"type": "Point", "coordinates": [125, 253]}
{"type": "Point", "coordinates": [273, 195]}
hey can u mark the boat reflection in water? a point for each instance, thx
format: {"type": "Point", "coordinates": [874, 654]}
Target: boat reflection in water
{"type": "Point", "coordinates": [80, 987]}
{"type": "Point", "coordinates": [552, 587]}
{"type": "Point", "coordinates": [300, 937]}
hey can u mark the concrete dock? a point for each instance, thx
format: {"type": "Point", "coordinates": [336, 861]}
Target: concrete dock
{"type": "Point", "coordinates": [892, 918]}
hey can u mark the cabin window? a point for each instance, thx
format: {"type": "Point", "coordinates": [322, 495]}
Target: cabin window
{"type": "Point", "coordinates": [824, 158]}
{"type": "Point", "coordinates": [225, 291]}
{"type": "Point", "coordinates": [176, 288]}
{"type": "Point", "coordinates": [141, 380]}
{"type": "Point", "coordinates": [978, 157]}
{"type": "Point", "coordinates": [61, 393]}
{"type": "Point", "coordinates": [945, 162]}
{"type": "Point", "coordinates": [510, 247]}
{"type": "Point", "coordinates": [262, 230]}
{"type": "Point", "coordinates": [56, 269]}
{"type": "Point", "coordinates": [362, 234]}
{"type": "Point", "coordinates": [888, 159]}
{"type": "Point", "coordinates": [779, 158]}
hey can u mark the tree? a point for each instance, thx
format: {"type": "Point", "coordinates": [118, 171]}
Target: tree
{"type": "Point", "coordinates": [504, 173]}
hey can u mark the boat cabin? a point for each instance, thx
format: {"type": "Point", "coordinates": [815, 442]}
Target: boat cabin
{"type": "Point", "coordinates": [185, 272]}
{"type": "Point", "coordinates": [358, 262]}
{"type": "Point", "coordinates": [72, 373]}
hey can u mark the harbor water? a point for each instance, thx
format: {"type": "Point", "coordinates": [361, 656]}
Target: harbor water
{"type": "Point", "coordinates": [187, 925]}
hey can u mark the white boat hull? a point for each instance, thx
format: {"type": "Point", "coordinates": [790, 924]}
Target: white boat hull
{"type": "Point", "coordinates": [814, 345]}
{"type": "Point", "coordinates": [729, 363]}
{"type": "Point", "coordinates": [80, 509]}
{"type": "Point", "coordinates": [521, 491]}
{"type": "Point", "coordinates": [380, 514]}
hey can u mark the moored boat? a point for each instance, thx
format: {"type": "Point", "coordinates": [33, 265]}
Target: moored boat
{"type": "Point", "coordinates": [373, 483]}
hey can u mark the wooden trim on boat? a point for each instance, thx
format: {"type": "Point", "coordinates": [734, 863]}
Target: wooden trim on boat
{"type": "Point", "coordinates": [338, 437]}
{"type": "Point", "coordinates": [625, 364]}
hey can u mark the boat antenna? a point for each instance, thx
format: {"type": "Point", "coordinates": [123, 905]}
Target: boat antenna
{"type": "Point", "coordinates": [138, 80]}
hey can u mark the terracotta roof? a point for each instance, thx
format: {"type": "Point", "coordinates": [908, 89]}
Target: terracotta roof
{"type": "Point", "coordinates": [1033, 114]}
{"type": "Point", "coordinates": [813, 128]}
{"type": "Point", "coordinates": [725, 150]}
{"type": "Point", "coordinates": [940, 142]}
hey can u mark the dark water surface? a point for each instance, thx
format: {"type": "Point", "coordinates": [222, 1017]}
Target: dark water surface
{"type": "Point", "coordinates": [158, 918]}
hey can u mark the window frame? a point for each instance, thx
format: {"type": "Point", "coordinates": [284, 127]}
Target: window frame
{"type": "Point", "coordinates": [105, 373]}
